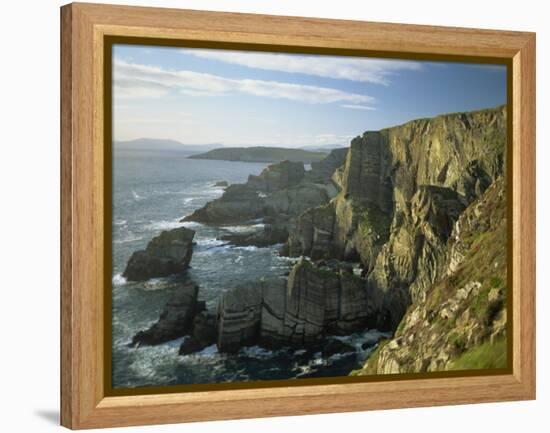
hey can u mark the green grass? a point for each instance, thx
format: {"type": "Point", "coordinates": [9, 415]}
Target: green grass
{"type": "Point", "coordinates": [486, 355]}
{"type": "Point", "coordinates": [371, 365]}
{"type": "Point", "coordinates": [373, 221]}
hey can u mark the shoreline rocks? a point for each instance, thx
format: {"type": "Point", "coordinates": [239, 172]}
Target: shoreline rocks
{"type": "Point", "coordinates": [176, 318]}
{"type": "Point", "coordinates": [166, 254]}
{"type": "Point", "coordinates": [281, 192]}
{"type": "Point", "coordinates": [300, 312]}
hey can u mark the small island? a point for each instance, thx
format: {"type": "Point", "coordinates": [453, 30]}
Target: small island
{"type": "Point", "coordinates": [261, 154]}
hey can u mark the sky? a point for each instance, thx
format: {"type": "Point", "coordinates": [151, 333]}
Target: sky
{"type": "Point", "coordinates": [240, 98]}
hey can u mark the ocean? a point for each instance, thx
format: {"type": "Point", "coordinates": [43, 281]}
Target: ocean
{"type": "Point", "coordinates": [152, 191]}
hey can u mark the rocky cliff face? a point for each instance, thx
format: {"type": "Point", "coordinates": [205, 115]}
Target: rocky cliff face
{"type": "Point", "coordinates": [401, 190]}
{"type": "Point", "coordinates": [315, 301]}
{"type": "Point", "coordinates": [325, 168]}
{"type": "Point", "coordinates": [460, 321]}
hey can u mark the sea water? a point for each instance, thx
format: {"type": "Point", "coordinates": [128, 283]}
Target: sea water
{"type": "Point", "coordinates": [152, 191]}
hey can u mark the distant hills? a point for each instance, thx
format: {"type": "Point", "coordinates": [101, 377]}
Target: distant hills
{"type": "Point", "coordinates": [261, 154]}
{"type": "Point", "coordinates": [324, 147]}
{"type": "Point", "coordinates": [163, 144]}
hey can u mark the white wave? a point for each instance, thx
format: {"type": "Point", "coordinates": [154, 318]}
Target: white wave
{"type": "Point", "coordinates": [164, 225]}
{"type": "Point", "coordinates": [216, 249]}
{"type": "Point", "coordinates": [256, 352]}
{"type": "Point", "coordinates": [216, 190]}
{"type": "Point", "coordinates": [120, 222]}
{"type": "Point", "coordinates": [247, 248]}
{"type": "Point", "coordinates": [119, 280]}
{"type": "Point", "coordinates": [188, 200]}
{"type": "Point", "coordinates": [357, 340]}
{"type": "Point", "coordinates": [317, 359]}
{"type": "Point", "coordinates": [154, 362]}
{"type": "Point", "coordinates": [209, 351]}
{"type": "Point", "coordinates": [244, 228]}
{"type": "Point", "coordinates": [136, 196]}
{"type": "Point", "coordinates": [127, 239]}
{"type": "Point", "coordinates": [154, 284]}
{"type": "Point", "coordinates": [210, 242]}
{"type": "Point", "coordinates": [191, 224]}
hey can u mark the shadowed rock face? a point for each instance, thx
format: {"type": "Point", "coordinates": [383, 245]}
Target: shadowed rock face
{"type": "Point", "coordinates": [169, 253]}
{"type": "Point", "coordinates": [203, 334]}
{"type": "Point", "coordinates": [176, 318]}
{"type": "Point", "coordinates": [239, 316]}
{"type": "Point", "coordinates": [460, 321]}
{"type": "Point", "coordinates": [300, 312]}
{"type": "Point", "coordinates": [325, 168]}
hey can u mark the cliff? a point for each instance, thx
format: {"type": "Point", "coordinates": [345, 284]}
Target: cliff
{"type": "Point", "coordinates": [460, 323]}
{"type": "Point", "coordinates": [401, 191]}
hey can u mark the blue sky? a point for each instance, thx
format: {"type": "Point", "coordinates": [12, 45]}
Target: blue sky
{"type": "Point", "coordinates": [243, 98]}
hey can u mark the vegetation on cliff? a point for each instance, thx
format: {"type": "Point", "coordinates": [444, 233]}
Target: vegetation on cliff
{"type": "Point", "coordinates": [460, 323]}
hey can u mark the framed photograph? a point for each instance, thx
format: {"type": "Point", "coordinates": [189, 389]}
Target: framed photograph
{"type": "Point", "coordinates": [265, 215]}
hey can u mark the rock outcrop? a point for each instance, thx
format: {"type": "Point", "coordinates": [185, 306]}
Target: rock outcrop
{"type": "Point", "coordinates": [314, 302]}
{"type": "Point", "coordinates": [324, 169]}
{"type": "Point", "coordinates": [239, 315]}
{"type": "Point", "coordinates": [279, 194]}
{"type": "Point", "coordinates": [283, 175]}
{"type": "Point", "coordinates": [169, 253]}
{"type": "Point", "coordinates": [460, 322]}
{"type": "Point", "coordinates": [202, 335]}
{"type": "Point", "coordinates": [176, 319]}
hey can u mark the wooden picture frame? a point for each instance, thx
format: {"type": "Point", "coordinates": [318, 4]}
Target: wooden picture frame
{"type": "Point", "coordinates": [85, 402]}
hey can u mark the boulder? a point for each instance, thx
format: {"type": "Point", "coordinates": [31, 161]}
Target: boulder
{"type": "Point", "coordinates": [169, 253]}
{"type": "Point", "coordinates": [221, 184]}
{"type": "Point", "coordinates": [238, 204]}
{"type": "Point", "coordinates": [176, 319]}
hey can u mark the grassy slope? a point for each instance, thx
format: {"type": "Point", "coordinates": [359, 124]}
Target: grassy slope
{"type": "Point", "coordinates": [472, 336]}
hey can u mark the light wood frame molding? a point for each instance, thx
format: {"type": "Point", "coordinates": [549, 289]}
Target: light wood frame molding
{"type": "Point", "coordinates": [83, 28]}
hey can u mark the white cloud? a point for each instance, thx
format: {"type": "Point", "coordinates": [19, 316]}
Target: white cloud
{"type": "Point", "coordinates": [378, 71]}
{"type": "Point", "coordinates": [142, 81]}
{"type": "Point", "coordinates": [358, 107]}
